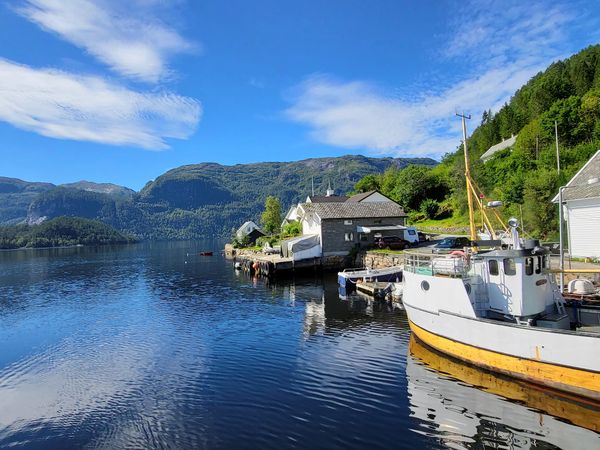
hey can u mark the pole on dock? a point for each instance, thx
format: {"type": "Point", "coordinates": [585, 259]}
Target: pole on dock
{"type": "Point", "coordinates": [557, 151]}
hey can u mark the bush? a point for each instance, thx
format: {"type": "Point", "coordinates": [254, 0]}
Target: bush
{"type": "Point", "coordinates": [291, 229]}
{"type": "Point", "coordinates": [429, 207]}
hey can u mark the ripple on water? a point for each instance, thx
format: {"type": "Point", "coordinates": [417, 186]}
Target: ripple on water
{"type": "Point", "coordinates": [149, 347]}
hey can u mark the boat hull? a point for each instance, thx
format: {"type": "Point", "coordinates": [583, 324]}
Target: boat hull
{"type": "Point", "coordinates": [560, 359]}
{"type": "Point", "coordinates": [577, 381]}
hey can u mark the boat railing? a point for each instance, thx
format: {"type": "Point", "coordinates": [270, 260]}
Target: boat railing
{"type": "Point", "coordinates": [436, 265]}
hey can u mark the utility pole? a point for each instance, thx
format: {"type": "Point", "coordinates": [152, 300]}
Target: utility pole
{"type": "Point", "coordinates": [557, 152]}
{"type": "Point", "coordinates": [468, 178]}
{"type": "Point", "coordinates": [312, 182]}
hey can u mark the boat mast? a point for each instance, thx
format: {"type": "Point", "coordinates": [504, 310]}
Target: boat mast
{"type": "Point", "coordinates": [473, 235]}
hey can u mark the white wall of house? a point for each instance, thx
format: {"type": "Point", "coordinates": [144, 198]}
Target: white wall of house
{"type": "Point", "coordinates": [311, 224]}
{"type": "Point", "coordinates": [583, 220]}
{"type": "Point", "coordinates": [376, 197]}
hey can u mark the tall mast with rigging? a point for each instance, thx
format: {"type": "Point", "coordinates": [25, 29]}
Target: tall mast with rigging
{"type": "Point", "coordinates": [473, 234]}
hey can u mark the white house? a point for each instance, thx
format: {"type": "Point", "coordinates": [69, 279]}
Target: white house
{"type": "Point", "coordinates": [581, 199]}
{"type": "Point", "coordinates": [506, 143]}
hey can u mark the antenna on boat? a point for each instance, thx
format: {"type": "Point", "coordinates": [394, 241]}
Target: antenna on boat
{"type": "Point", "coordinates": [473, 234]}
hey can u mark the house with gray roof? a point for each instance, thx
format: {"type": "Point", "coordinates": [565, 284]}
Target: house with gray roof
{"type": "Point", "coordinates": [251, 230]}
{"type": "Point", "coordinates": [506, 143]}
{"type": "Point", "coordinates": [341, 227]}
{"type": "Point", "coordinates": [581, 207]}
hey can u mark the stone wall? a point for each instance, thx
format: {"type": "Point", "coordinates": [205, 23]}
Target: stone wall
{"type": "Point", "coordinates": [377, 260]}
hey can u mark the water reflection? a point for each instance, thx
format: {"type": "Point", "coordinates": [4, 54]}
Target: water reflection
{"type": "Point", "coordinates": [153, 346]}
{"type": "Point", "coordinates": [465, 407]}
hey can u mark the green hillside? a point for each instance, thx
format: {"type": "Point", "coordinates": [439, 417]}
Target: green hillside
{"type": "Point", "coordinates": [61, 231]}
{"type": "Point", "coordinates": [524, 177]}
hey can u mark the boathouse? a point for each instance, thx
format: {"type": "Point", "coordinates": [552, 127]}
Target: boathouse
{"type": "Point", "coordinates": [342, 227]}
{"type": "Point", "coordinates": [581, 198]}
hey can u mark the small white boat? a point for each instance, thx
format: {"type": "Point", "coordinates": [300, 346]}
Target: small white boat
{"type": "Point", "coordinates": [348, 278]}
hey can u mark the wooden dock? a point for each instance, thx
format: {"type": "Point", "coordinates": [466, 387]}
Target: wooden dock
{"type": "Point", "coordinates": [274, 265]}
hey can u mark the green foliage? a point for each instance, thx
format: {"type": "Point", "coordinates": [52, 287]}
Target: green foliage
{"type": "Point", "coordinates": [540, 213]}
{"type": "Point", "coordinates": [368, 183]}
{"type": "Point", "coordinates": [61, 231]}
{"type": "Point", "coordinates": [271, 217]}
{"type": "Point", "coordinates": [291, 229]}
{"type": "Point", "coordinates": [429, 208]}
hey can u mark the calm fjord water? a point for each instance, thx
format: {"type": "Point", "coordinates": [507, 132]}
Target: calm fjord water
{"type": "Point", "coordinates": [152, 346]}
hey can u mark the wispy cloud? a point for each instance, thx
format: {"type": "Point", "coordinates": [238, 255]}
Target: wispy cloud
{"type": "Point", "coordinates": [124, 35]}
{"type": "Point", "coordinates": [503, 43]}
{"type": "Point", "coordinates": [87, 108]}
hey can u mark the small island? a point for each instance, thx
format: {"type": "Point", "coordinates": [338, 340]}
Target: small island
{"type": "Point", "coordinates": [61, 232]}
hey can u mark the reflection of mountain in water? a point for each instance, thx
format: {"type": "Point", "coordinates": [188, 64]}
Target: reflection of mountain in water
{"type": "Point", "coordinates": [499, 413]}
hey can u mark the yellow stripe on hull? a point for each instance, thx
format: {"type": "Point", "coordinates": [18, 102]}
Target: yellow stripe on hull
{"type": "Point", "coordinates": [577, 381]}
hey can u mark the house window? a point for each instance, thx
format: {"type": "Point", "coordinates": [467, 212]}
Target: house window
{"type": "Point", "coordinates": [538, 266]}
{"type": "Point", "coordinates": [509, 266]}
{"type": "Point", "coordinates": [347, 222]}
{"type": "Point", "coordinates": [363, 237]}
{"type": "Point", "coordinates": [493, 265]}
{"type": "Point", "coordinates": [377, 221]}
{"type": "Point", "coordinates": [349, 237]}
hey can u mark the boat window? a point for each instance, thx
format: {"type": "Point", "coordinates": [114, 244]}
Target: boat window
{"type": "Point", "coordinates": [528, 266]}
{"type": "Point", "coordinates": [509, 266]}
{"type": "Point", "coordinates": [412, 232]}
{"type": "Point", "coordinates": [493, 265]}
{"type": "Point", "coordinates": [538, 266]}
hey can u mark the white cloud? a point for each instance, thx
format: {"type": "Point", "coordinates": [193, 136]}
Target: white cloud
{"type": "Point", "coordinates": [62, 105]}
{"type": "Point", "coordinates": [126, 36]}
{"type": "Point", "coordinates": [496, 46]}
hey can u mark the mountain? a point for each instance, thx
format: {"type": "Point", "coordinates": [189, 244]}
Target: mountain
{"type": "Point", "coordinates": [16, 196]}
{"type": "Point", "coordinates": [113, 190]}
{"type": "Point", "coordinates": [209, 199]}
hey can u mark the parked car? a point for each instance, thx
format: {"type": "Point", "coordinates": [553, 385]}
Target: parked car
{"type": "Point", "coordinates": [391, 243]}
{"type": "Point", "coordinates": [450, 243]}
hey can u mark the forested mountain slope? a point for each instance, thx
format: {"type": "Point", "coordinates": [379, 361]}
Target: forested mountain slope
{"type": "Point", "coordinates": [524, 177]}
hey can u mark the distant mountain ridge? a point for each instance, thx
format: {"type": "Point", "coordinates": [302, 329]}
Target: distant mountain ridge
{"type": "Point", "coordinates": [194, 201]}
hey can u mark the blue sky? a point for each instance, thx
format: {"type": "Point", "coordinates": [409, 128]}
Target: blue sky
{"type": "Point", "coordinates": [120, 92]}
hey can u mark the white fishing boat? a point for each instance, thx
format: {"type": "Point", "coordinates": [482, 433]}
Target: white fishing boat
{"type": "Point", "coordinates": [501, 309]}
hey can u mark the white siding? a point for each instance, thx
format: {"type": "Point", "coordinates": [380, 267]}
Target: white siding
{"type": "Point", "coordinates": [584, 227]}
